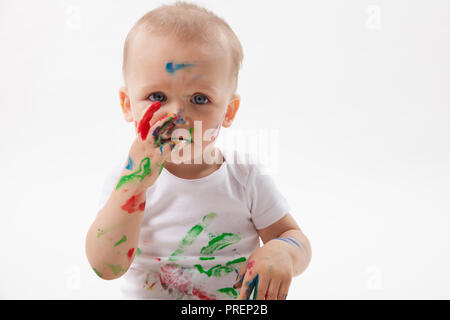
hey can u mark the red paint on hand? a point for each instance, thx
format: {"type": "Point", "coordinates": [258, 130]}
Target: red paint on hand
{"type": "Point", "coordinates": [132, 204]}
{"type": "Point", "coordinates": [144, 124]}
{"type": "Point", "coordinates": [250, 265]}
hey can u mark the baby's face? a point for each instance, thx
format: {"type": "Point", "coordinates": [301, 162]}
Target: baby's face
{"type": "Point", "coordinates": [190, 80]}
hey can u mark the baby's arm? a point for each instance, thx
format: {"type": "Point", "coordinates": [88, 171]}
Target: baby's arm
{"type": "Point", "coordinates": [269, 270]}
{"type": "Point", "coordinates": [295, 242]}
{"type": "Point", "coordinates": [112, 240]}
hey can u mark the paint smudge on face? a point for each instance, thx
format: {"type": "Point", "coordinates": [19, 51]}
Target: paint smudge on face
{"type": "Point", "coordinates": [133, 204]}
{"type": "Point", "coordinates": [122, 240]}
{"type": "Point", "coordinates": [229, 292]}
{"type": "Point", "coordinates": [180, 117]}
{"type": "Point", "coordinates": [191, 132]}
{"type": "Point", "coordinates": [171, 67]}
{"type": "Point", "coordinates": [181, 120]}
{"type": "Point", "coordinates": [144, 124]}
{"type": "Point", "coordinates": [130, 164]}
{"type": "Point", "coordinates": [144, 170]}
{"type": "Point", "coordinates": [220, 242]}
{"type": "Point", "coordinates": [192, 234]}
{"type": "Point", "coordinates": [138, 252]}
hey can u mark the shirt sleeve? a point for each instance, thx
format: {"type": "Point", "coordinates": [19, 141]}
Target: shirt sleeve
{"type": "Point", "coordinates": [267, 204]}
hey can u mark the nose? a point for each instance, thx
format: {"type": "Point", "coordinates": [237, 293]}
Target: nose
{"type": "Point", "coordinates": [177, 108]}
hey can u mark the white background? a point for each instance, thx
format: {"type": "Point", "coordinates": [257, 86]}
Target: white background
{"type": "Point", "coordinates": [357, 90]}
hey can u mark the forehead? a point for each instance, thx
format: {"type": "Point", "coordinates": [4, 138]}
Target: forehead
{"type": "Point", "coordinates": [164, 58]}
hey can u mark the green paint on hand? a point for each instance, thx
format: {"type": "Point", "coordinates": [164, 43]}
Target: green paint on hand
{"type": "Point", "coordinates": [229, 292]}
{"type": "Point", "coordinates": [138, 252]}
{"type": "Point", "coordinates": [207, 258]}
{"type": "Point", "coordinates": [220, 242]}
{"type": "Point", "coordinates": [191, 131]}
{"type": "Point", "coordinates": [192, 235]}
{"type": "Point", "coordinates": [144, 170]}
{"type": "Point", "coordinates": [124, 238]}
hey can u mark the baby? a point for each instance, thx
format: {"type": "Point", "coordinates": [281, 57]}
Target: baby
{"type": "Point", "coordinates": [181, 218]}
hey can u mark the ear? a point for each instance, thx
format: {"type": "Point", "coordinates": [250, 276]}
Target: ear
{"type": "Point", "coordinates": [231, 110]}
{"type": "Point", "coordinates": [126, 105]}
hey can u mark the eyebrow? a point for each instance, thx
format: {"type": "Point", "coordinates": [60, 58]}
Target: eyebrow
{"type": "Point", "coordinates": [193, 82]}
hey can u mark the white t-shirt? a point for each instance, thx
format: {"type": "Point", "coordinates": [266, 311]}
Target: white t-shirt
{"type": "Point", "coordinates": [196, 234]}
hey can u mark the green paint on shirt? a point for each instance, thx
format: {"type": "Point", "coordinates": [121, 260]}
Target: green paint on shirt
{"type": "Point", "coordinates": [192, 235]}
{"type": "Point", "coordinates": [229, 292]}
{"type": "Point", "coordinates": [220, 242]}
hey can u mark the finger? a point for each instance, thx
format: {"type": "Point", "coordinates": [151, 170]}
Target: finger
{"type": "Point", "coordinates": [161, 130]}
{"type": "Point", "coordinates": [272, 291]}
{"type": "Point", "coordinates": [144, 124]}
{"type": "Point", "coordinates": [240, 276]}
{"type": "Point", "coordinates": [283, 290]}
{"type": "Point", "coordinates": [263, 286]}
{"type": "Point", "coordinates": [250, 284]}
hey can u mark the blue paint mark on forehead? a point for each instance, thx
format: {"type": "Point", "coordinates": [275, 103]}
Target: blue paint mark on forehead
{"type": "Point", "coordinates": [171, 67]}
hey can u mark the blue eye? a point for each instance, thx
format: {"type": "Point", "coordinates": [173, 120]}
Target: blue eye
{"type": "Point", "coordinates": [159, 96]}
{"type": "Point", "coordinates": [201, 100]}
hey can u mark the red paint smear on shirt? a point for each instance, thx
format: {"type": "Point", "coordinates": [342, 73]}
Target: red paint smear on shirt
{"type": "Point", "coordinates": [132, 204]}
{"type": "Point", "coordinates": [175, 278]}
{"type": "Point", "coordinates": [144, 124]}
{"type": "Point", "coordinates": [202, 295]}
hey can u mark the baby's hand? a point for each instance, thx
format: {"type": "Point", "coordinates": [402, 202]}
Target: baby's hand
{"type": "Point", "coordinates": [151, 147]}
{"type": "Point", "coordinates": [269, 271]}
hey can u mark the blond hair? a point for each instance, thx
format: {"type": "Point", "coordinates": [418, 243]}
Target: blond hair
{"type": "Point", "coordinates": [190, 23]}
